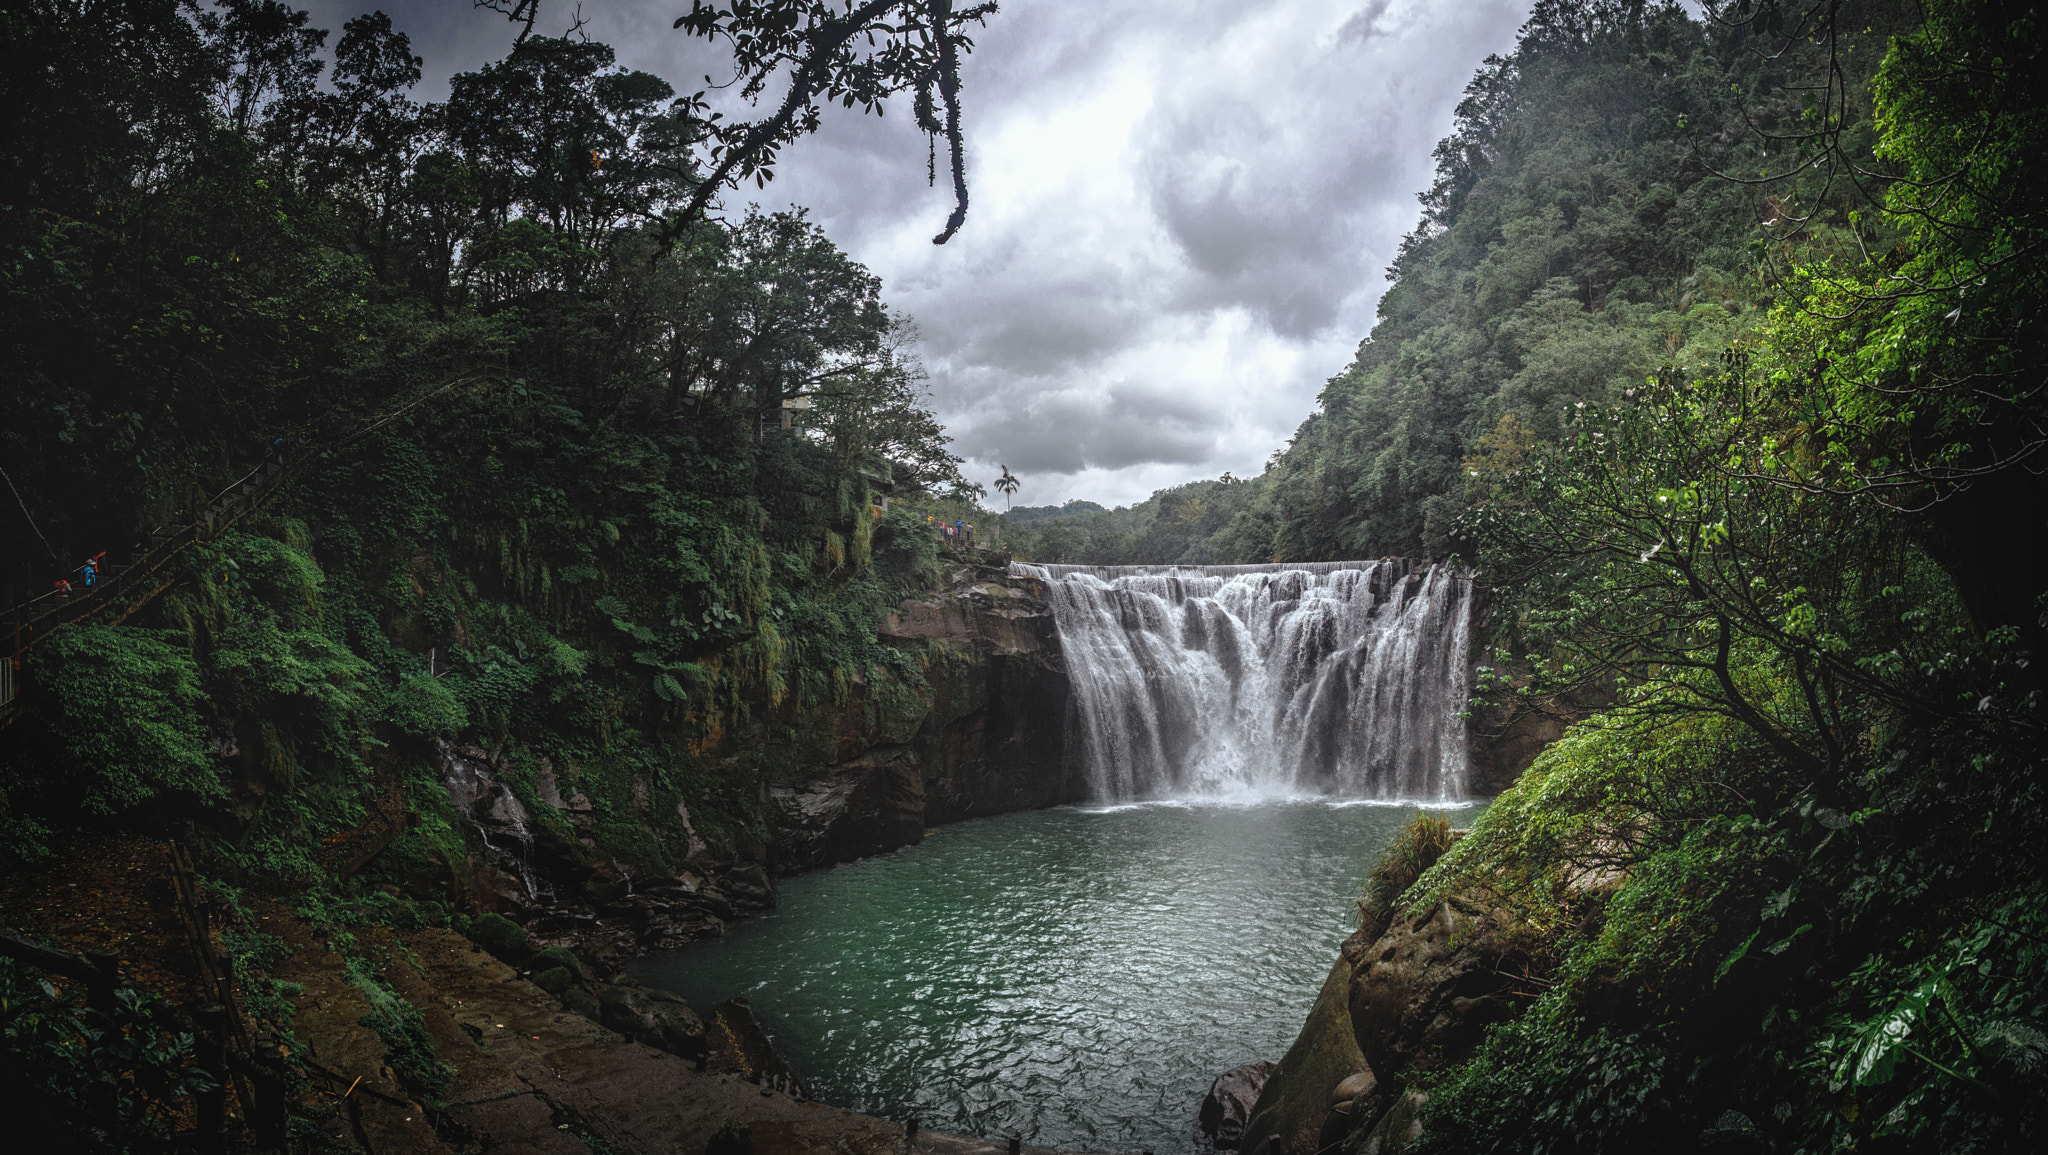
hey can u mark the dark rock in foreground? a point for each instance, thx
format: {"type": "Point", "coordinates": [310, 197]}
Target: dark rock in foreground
{"type": "Point", "coordinates": [1411, 993]}
{"type": "Point", "coordinates": [1228, 1105]}
{"type": "Point", "coordinates": [653, 1017]}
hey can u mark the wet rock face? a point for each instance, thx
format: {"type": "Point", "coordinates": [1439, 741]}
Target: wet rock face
{"type": "Point", "coordinates": [653, 1017]}
{"type": "Point", "coordinates": [865, 805]}
{"type": "Point", "coordinates": [1417, 996]}
{"type": "Point", "coordinates": [748, 886]}
{"type": "Point", "coordinates": [1228, 1105]}
{"type": "Point", "coordinates": [740, 1047]}
{"type": "Point", "coordinates": [1399, 1129]}
{"type": "Point", "coordinates": [982, 732]}
{"type": "Point", "coordinates": [1425, 992]}
{"type": "Point", "coordinates": [1297, 1112]}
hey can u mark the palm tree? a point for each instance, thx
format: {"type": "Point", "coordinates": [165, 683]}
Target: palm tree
{"type": "Point", "coordinates": [1008, 483]}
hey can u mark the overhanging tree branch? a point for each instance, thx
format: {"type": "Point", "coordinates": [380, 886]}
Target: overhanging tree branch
{"type": "Point", "coordinates": [910, 45]}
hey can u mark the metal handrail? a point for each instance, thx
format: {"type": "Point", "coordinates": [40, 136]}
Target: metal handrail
{"type": "Point", "coordinates": [220, 512]}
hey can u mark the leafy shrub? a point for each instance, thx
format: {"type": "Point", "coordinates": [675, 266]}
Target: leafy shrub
{"type": "Point", "coordinates": [24, 841]}
{"type": "Point", "coordinates": [120, 1078]}
{"type": "Point", "coordinates": [407, 1045]}
{"type": "Point", "coordinates": [123, 709]}
{"type": "Point", "coordinates": [1421, 843]}
{"type": "Point", "coordinates": [555, 980]}
{"type": "Point", "coordinates": [424, 708]}
{"type": "Point", "coordinates": [558, 956]}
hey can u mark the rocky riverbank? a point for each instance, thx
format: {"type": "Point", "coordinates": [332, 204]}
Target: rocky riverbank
{"type": "Point", "coordinates": [978, 729]}
{"type": "Point", "coordinates": [636, 1072]}
{"type": "Point", "coordinates": [1409, 993]}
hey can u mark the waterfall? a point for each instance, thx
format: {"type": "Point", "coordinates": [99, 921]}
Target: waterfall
{"type": "Point", "coordinates": [1345, 679]}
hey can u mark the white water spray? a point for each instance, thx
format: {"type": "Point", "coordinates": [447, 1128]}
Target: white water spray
{"type": "Point", "coordinates": [1343, 679]}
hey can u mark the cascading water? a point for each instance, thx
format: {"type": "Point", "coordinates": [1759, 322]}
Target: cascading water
{"type": "Point", "coordinates": [490, 806]}
{"type": "Point", "coordinates": [1333, 678]}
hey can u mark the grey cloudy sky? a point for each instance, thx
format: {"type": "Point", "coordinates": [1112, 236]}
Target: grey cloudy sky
{"type": "Point", "coordinates": [1181, 210]}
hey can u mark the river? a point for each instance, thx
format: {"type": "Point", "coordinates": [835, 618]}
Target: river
{"type": "Point", "coordinates": [1072, 976]}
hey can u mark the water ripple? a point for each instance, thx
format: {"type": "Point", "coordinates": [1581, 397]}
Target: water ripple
{"type": "Point", "coordinates": [1072, 976]}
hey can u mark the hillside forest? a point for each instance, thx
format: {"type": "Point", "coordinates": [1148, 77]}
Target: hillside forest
{"type": "Point", "coordinates": [1715, 350]}
{"type": "Point", "coordinates": [541, 496]}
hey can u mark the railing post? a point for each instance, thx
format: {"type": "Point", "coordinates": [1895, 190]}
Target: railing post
{"type": "Point", "coordinates": [99, 989]}
{"type": "Point", "coordinates": [213, 1059]}
{"type": "Point", "coordinates": [270, 1115]}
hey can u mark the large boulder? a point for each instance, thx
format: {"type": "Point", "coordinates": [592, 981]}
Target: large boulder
{"type": "Point", "coordinates": [1297, 1111]}
{"type": "Point", "coordinates": [1230, 1101]}
{"type": "Point", "coordinates": [654, 1017]}
{"type": "Point", "coordinates": [740, 1046]}
{"type": "Point", "coordinates": [1426, 991]}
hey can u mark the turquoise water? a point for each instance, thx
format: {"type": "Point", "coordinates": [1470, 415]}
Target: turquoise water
{"type": "Point", "coordinates": [1070, 976]}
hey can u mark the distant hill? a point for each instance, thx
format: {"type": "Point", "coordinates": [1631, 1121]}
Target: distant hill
{"type": "Point", "coordinates": [1028, 514]}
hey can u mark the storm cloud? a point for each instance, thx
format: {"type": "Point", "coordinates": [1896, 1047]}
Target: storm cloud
{"type": "Point", "coordinates": [1181, 210]}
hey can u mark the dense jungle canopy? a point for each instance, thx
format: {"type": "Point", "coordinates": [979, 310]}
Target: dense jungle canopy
{"type": "Point", "coordinates": [540, 492]}
{"type": "Point", "coordinates": [1716, 349]}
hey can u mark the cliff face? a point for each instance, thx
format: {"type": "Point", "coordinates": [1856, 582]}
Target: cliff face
{"type": "Point", "coordinates": [984, 734]}
{"type": "Point", "coordinates": [971, 722]}
{"type": "Point", "coordinates": [1414, 997]}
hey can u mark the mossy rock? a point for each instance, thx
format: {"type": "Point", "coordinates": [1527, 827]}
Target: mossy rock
{"type": "Point", "coordinates": [1293, 1115]}
{"type": "Point", "coordinates": [501, 936]}
{"type": "Point", "coordinates": [555, 980]}
{"type": "Point", "coordinates": [559, 956]}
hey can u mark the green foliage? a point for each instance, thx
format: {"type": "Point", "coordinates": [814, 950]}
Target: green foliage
{"type": "Point", "coordinates": [23, 841]}
{"type": "Point", "coordinates": [122, 711]}
{"type": "Point", "coordinates": [1817, 970]}
{"type": "Point", "coordinates": [1418, 847]}
{"type": "Point", "coordinates": [554, 980]}
{"type": "Point", "coordinates": [1776, 893]}
{"type": "Point", "coordinates": [543, 512]}
{"type": "Point", "coordinates": [1947, 1039]}
{"type": "Point", "coordinates": [118, 1072]}
{"type": "Point", "coordinates": [253, 954]}
{"type": "Point", "coordinates": [424, 708]}
{"type": "Point", "coordinates": [1609, 796]}
{"type": "Point", "coordinates": [408, 1047]}
{"type": "Point", "coordinates": [1544, 1089]}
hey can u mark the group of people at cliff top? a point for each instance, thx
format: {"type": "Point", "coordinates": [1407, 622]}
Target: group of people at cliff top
{"type": "Point", "coordinates": [960, 529]}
